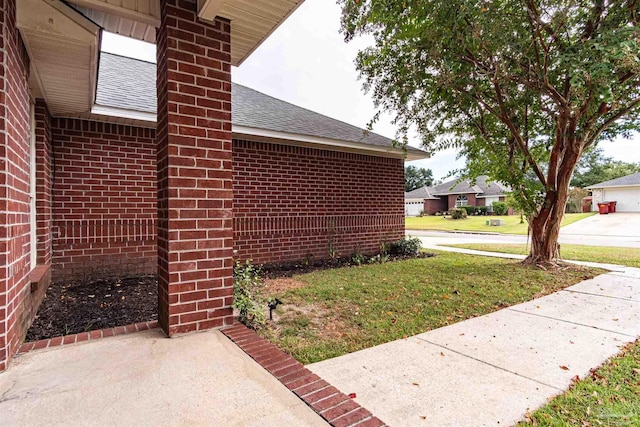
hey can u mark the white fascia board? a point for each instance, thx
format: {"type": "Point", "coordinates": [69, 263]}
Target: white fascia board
{"type": "Point", "coordinates": [319, 142]}
{"type": "Point", "coordinates": [612, 186]}
{"type": "Point", "coordinates": [264, 135]}
{"type": "Point", "coordinates": [495, 195]}
{"type": "Point", "coordinates": [123, 113]}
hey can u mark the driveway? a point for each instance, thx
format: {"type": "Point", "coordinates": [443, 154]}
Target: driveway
{"type": "Point", "coordinates": [619, 224]}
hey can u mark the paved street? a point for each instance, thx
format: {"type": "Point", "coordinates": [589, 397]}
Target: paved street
{"type": "Point", "coordinates": [434, 238]}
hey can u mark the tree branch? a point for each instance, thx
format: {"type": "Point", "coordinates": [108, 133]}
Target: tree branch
{"type": "Point", "coordinates": [590, 140]}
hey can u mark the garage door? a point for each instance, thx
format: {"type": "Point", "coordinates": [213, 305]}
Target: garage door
{"type": "Point", "coordinates": [413, 208]}
{"type": "Point", "coordinates": [628, 199]}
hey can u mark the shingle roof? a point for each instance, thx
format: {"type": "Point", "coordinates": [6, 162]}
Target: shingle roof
{"type": "Point", "coordinates": [419, 193]}
{"type": "Point", "coordinates": [131, 84]}
{"type": "Point", "coordinates": [483, 187]}
{"type": "Point", "coordinates": [633, 179]}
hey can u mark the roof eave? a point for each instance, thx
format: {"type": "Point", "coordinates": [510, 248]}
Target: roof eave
{"type": "Point", "coordinates": [596, 187]}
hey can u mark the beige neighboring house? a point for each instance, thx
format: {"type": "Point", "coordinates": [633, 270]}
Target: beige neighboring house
{"type": "Point", "coordinates": [625, 191]}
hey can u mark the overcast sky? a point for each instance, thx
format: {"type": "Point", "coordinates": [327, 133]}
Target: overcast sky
{"type": "Point", "coordinates": [306, 62]}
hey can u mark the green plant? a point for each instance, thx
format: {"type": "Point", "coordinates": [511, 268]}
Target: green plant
{"type": "Point", "coordinates": [378, 259]}
{"type": "Point", "coordinates": [247, 294]}
{"type": "Point", "coordinates": [409, 246]}
{"type": "Point", "coordinates": [500, 208]}
{"type": "Point", "coordinates": [458, 213]}
{"type": "Point", "coordinates": [358, 259]}
{"type": "Point", "coordinates": [421, 213]}
{"type": "Point", "coordinates": [384, 248]}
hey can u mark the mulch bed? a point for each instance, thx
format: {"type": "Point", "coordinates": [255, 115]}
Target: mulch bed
{"type": "Point", "coordinates": [82, 306]}
{"type": "Point", "coordinates": [75, 307]}
{"type": "Point", "coordinates": [274, 271]}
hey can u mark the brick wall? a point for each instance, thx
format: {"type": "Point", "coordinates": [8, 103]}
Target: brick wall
{"type": "Point", "coordinates": [471, 200]}
{"type": "Point", "coordinates": [289, 202]}
{"type": "Point", "coordinates": [431, 206]}
{"type": "Point", "coordinates": [15, 245]}
{"type": "Point", "coordinates": [104, 199]}
{"type": "Point", "coordinates": [292, 202]}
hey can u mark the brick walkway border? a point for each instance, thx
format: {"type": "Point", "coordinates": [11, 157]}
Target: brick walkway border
{"type": "Point", "coordinates": [86, 336]}
{"type": "Point", "coordinates": [331, 404]}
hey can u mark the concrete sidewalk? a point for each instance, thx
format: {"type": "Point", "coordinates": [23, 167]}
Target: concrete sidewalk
{"type": "Point", "coordinates": [491, 370]}
{"type": "Point", "coordinates": [146, 379]}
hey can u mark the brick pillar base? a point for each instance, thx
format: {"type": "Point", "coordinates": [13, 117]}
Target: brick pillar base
{"type": "Point", "coordinates": [195, 236]}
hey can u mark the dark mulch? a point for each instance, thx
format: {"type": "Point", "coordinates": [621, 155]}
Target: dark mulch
{"type": "Point", "coordinates": [74, 307]}
{"type": "Point", "coordinates": [81, 306]}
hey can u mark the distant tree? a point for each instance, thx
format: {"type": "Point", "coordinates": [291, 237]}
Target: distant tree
{"type": "Point", "coordinates": [417, 177]}
{"type": "Point", "coordinates": [594, 168]}
{"type": "Point", "coordinates": [521, 88]}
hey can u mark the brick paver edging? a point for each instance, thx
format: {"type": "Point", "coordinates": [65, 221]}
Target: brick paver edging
{"type": "Point", "coordinates": [86, 336]}
{"type": "Point", "coordinates": [331, 404]}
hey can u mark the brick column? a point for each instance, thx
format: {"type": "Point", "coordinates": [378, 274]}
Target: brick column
{"type": "Point", "coordinates": [195, 236]}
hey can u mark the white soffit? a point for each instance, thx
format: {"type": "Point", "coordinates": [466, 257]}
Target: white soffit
{"type": "Point", "coordinates": [63, 48]}
{"type": "Point", "coordinates": [252, 21]}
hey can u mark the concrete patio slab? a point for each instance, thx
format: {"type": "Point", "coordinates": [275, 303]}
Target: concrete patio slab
{"type": "Point", "coordinates": [520, 343]}
{"type": "Point", "coordinates": [146, 379]}
{"type": "Point", "coordinates": [609, 314]}
{"type": "Point", "coordinates": [411, 382]}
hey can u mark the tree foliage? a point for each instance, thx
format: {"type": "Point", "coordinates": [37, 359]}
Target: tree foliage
{"type": "Point", "coordinates": [520, 87]}
{"type": "Point", "coordinates": [417, 177]}
{"type": "Point", "coordinates": [594, 168]}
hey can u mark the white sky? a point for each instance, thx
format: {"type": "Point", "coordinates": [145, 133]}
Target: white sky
{"type": "Point", "coordinates": [306, 62]}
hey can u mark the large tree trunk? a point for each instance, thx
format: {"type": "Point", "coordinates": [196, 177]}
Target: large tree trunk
{"type": "Point", "coordinates": [544, 226]}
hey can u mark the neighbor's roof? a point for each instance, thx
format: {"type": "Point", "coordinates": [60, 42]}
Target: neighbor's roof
{"type": "Point", "coordinates": [483, 187]}
{"type": "Point", "coordinates": [419, 193]}
{"type": "Point", "coordinates": [629, 180]}
{"type": "Point", "coordinates": [130, 84]}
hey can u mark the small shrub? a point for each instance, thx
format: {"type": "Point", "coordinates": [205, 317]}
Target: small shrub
{"type": "Point", "coordinates": [438, 213]}
{"type": "Point", "coordinates": [409, 246]}
{"type": "Point", "coordinates": [358, 259]}
{"type": "Point", "coordinates": [458, 213]}
{"type": "Point", "coordinates": [421, 214]}
{"type": "Point", "coordinates": [500, 208]}
{"type": "Point", "coordinates": [378, 259]}
{"type": "Point", "coordinates": [481, 210]}
{"type": "Point", "coordinates": [247, 294]}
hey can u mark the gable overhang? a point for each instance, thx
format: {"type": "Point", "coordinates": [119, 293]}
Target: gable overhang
{"type": "Point", "coordinates": [63, 47]}
{"type": "Point", "coordinates": [252, 21]}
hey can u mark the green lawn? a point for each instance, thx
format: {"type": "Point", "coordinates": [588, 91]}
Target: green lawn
{"type": "Point", "coordinates": [339, 311]}
{"type": "Point", "coordinates": [478, 223]}
{"type": "Point", "coordinates": [605, 254]}
{"type": "Point", "coordinates": [608, 397]}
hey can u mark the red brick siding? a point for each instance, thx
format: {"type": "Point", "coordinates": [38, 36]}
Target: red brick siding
{"type": "Point", "coordinates": [471, 200]}
{"type": "Point", "coordinates": [195, 194]}
{"type": "Point", "coordinates": [432, 206]}
{"type": "Point", "coordinates": [15, 245]}
{"type": "Point", "coordinates": [43, 182]}
{"type": "Point", "coordinates": [104, 199]}
{"type": "Point", "coordinates": [292, 202]}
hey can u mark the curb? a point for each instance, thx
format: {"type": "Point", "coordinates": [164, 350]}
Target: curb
{"type": "Point", "coordinates": [338, 409]}
{"type": "Point", "coordinates": [86, 336]}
